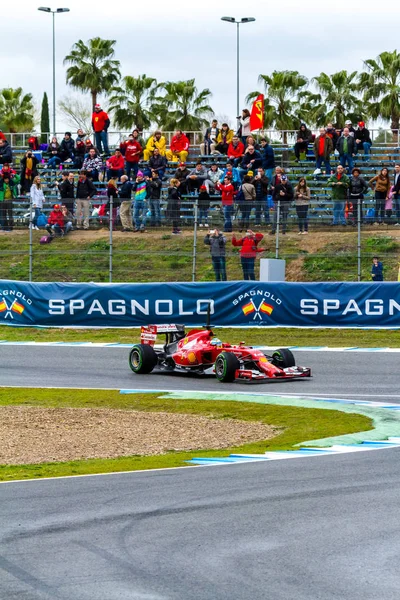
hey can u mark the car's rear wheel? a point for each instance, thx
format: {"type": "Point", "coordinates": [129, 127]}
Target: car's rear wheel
{"type": "Point", "coordinates": [226, 366]}
{"type": "Point", "coordinates": [142, 358]}
{"type": "Point", "coordinates": [283, 358]}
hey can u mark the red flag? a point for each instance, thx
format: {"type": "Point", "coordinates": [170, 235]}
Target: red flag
{"type": "Point", "coordinates": [257, 113]}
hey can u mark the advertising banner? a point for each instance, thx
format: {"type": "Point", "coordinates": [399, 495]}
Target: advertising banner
{"type": "Point", "coordinates": [233, 303]}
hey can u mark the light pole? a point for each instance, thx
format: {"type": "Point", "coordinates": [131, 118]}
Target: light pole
{"type": "Point", "coordinates": [53, 12]}
{"type": "Point", "coordinates": [233, 20]}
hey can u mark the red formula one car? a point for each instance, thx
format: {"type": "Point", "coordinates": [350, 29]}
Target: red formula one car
{"type": "Point", "coordinates": [198, 351]}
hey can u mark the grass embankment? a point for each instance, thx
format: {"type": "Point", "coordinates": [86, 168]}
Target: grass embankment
{"type": "Point", "coordinates": [323, 255]}
{"type": "Point", "coordinates": [297, 425]}
{"type": "Point", "coordinates": [262, 336]}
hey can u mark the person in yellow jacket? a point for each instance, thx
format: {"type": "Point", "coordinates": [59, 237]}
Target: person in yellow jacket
{"type": "Point", "coordinates": [156, 141]}
{"type": "Point", "coordinates": [224, 138]}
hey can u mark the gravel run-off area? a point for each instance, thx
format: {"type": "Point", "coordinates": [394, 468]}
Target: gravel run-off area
{"type": "Point", "coordinates": [30, 435]}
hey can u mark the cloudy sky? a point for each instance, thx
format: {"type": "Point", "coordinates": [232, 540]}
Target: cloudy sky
{"type": "Point", "coordinates": [181, 40]}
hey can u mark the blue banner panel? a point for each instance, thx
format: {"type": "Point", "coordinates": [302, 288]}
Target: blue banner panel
{"type": "Point", "coordinates": [233, 303]}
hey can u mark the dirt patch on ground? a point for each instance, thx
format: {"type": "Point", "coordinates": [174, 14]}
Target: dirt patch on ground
{"type": "Point", "coordinates": [31, 435]}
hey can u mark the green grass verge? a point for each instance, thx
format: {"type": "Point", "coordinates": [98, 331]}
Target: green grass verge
{"type": "Point", "coordinates": [298, 424]}
{"type": "Point", "coordinates": [282, 336]}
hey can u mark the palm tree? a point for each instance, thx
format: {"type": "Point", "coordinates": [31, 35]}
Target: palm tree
{"type": "Point", "coordinates": [93, 67]}
{"type": "Point", "coordinates": [338, 99]}
{"type": "Point", "coordinates": [381, 87]}
{"type": "Point", "coordinates": [131, 102]}
{"type": "Point", "coordinates": [284, 93]}
{"type": "Point", "coordinates": [16, 110]}
{"type": "Point", "coordinates": [181, 106]}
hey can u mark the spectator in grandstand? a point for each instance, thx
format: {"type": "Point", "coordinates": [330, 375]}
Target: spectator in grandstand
{"type": "Point", "coordinates": [347, 148]}
{"type": "Point", "coordinates": [232, 173]}
{"type": "Point", "coordinates": [115, 165]}
{"type": "Point", "coordinates": [381, 184]}
{"type": "Point", "coordinates": [396, 194]}
{"type": "Point", "coordinates": [88, 147]}
{"type": "Point", "coordinates": [302, 197]}
{"type": "Point", "coordinates": [196, 178]}
{"type": "Point", "coordinates": [235, 151]}
{"type": "Point", "coordinates": [377, 269]}
{"type": "Point", "coordinates": [157, 140]}
{"type": "Point", "coordinates": [2, 136]}
{"type": "Point", "coordinates": [339, 182]}
{"type": "Point", "coordinates": [251, 141]}
{"type": "Point", "coordinates": [363, 139]}
{"type": "Point", "coordinates": [224, 138]}
{"type": "Point", "coordinates": [133, 151]}
{"type": "Point", "coordinates": [112, 192]}
{"type": "Point", "coordinates": [174, 205]}
{"type": "Point", "coordinates": [37, 198]}
{"type": "Point", "coordinates": [67, 191]}
{"type": "Point", "coordinates": [267, 157]}
{"type": "Point", "coordinates": [125, 211]}
{"type": "Point", "coordinates": [331, 132]}
{"type": "Point", "coordinates": [350, 127]}
{"type": "Point", "coordinates": [323, 148]}
{"type": "Point", "coordinates": [8, 191]}
{"type": "Point", "coordinates": [33, 142]}
{"type": "Point", "coordinates": [304, 137]}
{"type": "Point", "coordinates": [93, 165]}
{"type": "Point", "coordinates": [244, 125]}
{"type": "Point", "coordinates": [283, 196]}
{"type": "Point", "coordinates": [100, 124]}
{"type": "Point", "coordinates": [140, 188]}
{"type": "Point", "coordinates": [154, 186]}
{"type": "Point", "coordinates": [67, 148]}
{"type": "Point", "coordinates": [85, 190]}
{"type": "Point", "coordinates": [245, 200]}
{"type": "Point", "coordinates": [29, 171]}
{"type": "Point", "coordinates": [249, 249]}
{"type": "Point", "coordinates": [260, 182]}
{"type": "Point", "coordinates": [204, 205]}
{"type": "Point", "coordinates": [357, 188]}
{"type": "Point", "coordinates": [213, 176]}
{"type": "Point", "coordinates": [11, 172]}
{"type": "Point", "coordinates": [179, 148]}
{"type": "Point", "coordinates": [80, 149]}
{"type": "Point", "coordinates": [68, 218]}
{"type": "Point", "coordinates": [210, 139]}
{"type": "Point", "coordinates": [181, 175]}
{"type": "Point", "coordinates": [55, 221]}
{"type": "Point", "coordinates": [251, 161]}
{"type": "Point", "coordinates": [227, 195]}
{"type": "Point", "coordinates": [217, 242]}
{"type": "Point", "coordinates": [276, 179]}
{"type": "Point", "coordinates": [157, 163]}
{"type": "Point", "coordinates": [137, 135]}
{"type": "Point", "coordinates": [54, 153]}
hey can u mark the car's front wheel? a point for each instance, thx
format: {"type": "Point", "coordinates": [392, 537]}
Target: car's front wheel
{"type": "Point", "coordinates": [142, 358]}
{"type": "Point", "coordinates": [283, 358]}
{"type": "Point", "coordinates": [226, 366]}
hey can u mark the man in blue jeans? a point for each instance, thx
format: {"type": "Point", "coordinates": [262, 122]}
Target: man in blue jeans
{"type": "Point", "coordinates": [217, 243]}
{"type": "Point", "coordinates": [100, 124]}
{"type": "Point", "coordinates": [347, 148]}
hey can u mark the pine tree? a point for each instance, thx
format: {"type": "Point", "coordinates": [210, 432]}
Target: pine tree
{"type": "Point", "coordinates": [45, 119]}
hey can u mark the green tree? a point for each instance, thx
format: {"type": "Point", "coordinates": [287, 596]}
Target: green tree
{"type": "Point", "coordinates": [337, 99]}
{"type": "Point", "coordinates": [285, 100]}
{"type": "Point", "coordinates": [381, 87]}
{"type": "Point", "coordinates": [16, 110]}
{"type": "Point", "coordinates": [181, 106]}
{"type": "Point", "coordinates": [131, 102]}
{"type": "Point", "coordinates": [45, 119]}
{"type": "Point", "coordinates": [93, 67]}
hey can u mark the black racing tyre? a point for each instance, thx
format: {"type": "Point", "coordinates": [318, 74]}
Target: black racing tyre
{"type": "Point", "coordinates": [283, 358]}
{"type": "Point", "coordinates": [142, 358]}
{"type": "Point", "coordinates": [226, 365]}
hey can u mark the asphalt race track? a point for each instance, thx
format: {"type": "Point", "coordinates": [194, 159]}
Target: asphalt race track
{"type": "Point", "coordinates": [304, 529]}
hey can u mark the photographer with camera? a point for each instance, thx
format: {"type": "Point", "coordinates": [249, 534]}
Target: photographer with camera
{"type": "Point", "coordinates": [217, 243]}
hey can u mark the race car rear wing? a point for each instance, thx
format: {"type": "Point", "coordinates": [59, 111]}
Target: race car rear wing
{"type": "Point", "coordinates": [148, 334]}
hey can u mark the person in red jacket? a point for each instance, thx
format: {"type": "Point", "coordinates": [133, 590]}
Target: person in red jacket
{"type": "Point", "coordinates": [100, 124]}
{"type": "Point", "coordinates": [179, 148]}
{"type": "Point", "coordinates": [248, 252]}
{"type": "Point", "coordinates": [227, 195]}
{"type": "Point", "coordinates": [235, 151]}
{"type": "Point", "coordinates": [55, 222]}
{"type": "Point", "coordinates": [115, 165]}
{"type": "Point", "coordinates": [133, 150]}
